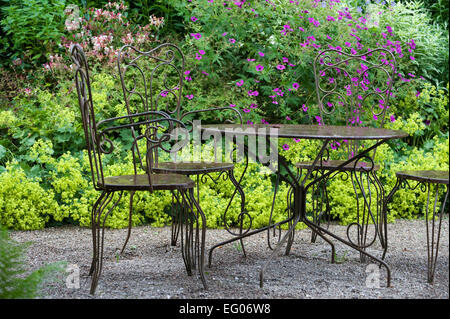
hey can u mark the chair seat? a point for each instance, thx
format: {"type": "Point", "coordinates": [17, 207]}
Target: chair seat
{"type": "Point", "coordinates": [141, 182]}
{"type": "Point", "coordinates": [333, 165]}
{"type": "Point", "coordinates": [428, 176]}
{"type": "Point", "coordinates": [192, 168]}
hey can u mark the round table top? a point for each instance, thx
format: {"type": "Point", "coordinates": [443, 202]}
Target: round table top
{"type": "Point", "coordinates": [307, 131]}
{"type": "Point", "coordinates": [431, 176]}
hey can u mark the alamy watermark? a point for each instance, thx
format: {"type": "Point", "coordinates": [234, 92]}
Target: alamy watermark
{"type": "Point", "coordinates": [233, 143]}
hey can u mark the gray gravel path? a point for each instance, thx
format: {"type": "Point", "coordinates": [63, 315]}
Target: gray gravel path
{"type": "Point", "coordinates": [151, 268]}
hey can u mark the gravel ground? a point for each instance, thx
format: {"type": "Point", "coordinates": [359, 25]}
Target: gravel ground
{"type": "Point", "coordinates": [151, 268]}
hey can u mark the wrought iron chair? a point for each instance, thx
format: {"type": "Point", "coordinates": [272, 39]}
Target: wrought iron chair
{"type": "Point", "coordinates": [154, 131]}
{"type": "Point", "coordinates": [430, 182]}
{"type": "Point", "coordinates": [153, 80]}
{"type": "Point", "coordinates": [352, 90]}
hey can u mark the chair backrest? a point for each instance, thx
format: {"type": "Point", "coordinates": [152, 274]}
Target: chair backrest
{"type": "Point", "coordinates": [152, 80]}
{"type": "Point", "coordinates": [83, 85]}
{"type": "Point", "coordinates": [151, 129]}
{"type": "Point", "coordinates": [354, 89]}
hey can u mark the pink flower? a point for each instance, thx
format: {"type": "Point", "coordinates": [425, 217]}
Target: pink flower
{"type": "Point", "coordinates": [196, 35]}
{"type": "Point", "coordinates": [193, 19]}
{"type": "Point", "coordinates": [285, 60]}
{"type": "Point", "coordinates": [190, 97]}
{"type": "Point", "coordinates": [261, 54]}
{"type": "Point", "coordinates": [288, 118]}
{"type": "Point", "coordinates": [392, 118]}
{"type": "Point", "coordinates": [249, 122]}
{"type": "Point", "coordinates": [232, 105]}
{"type": "Point", "coordinates": [240, 83]}
{"type": "Point", "coordinates": [280, 67]}
{"type": "Point", "coordinates": [198, 57]}
{"type": "Point", "coordinates": [187, 72]}
{"type": "Point", "coordinates": [27, 91]}
{"type": "Point", "coordinates": [295, 85]}
{"type": "Point", "coordinates": [232, 40]}
{"type": "Point", "coordinates": [202, 52]}
{"type": "Point", "coordinates": [296, 140]}
{"type": "Point", "coordinates": [286, 147]}
{"type": "Point", "coordinates": [253, 106]}
{"type": "Point", "coordinates": [259, 67]}
{"type": "Point", "coordinates": [251, 60]}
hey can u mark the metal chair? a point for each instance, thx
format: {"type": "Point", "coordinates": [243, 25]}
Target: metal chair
{"type": "Point", "coordinates": [153, 80]}
{"type": "Point", "coordinates": [430, 182]}
{"type": "Point", "coordinates": [352, 90]}
{"type": "Point", "coordinates": [154, 131]}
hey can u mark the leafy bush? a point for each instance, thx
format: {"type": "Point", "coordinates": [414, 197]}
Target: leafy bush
{"type": "Point", "coordinates": [13, 283]}
{"type": "Point", "coordinates": [33, 27]}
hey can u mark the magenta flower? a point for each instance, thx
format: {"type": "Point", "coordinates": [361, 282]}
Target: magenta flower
{"type": "Point", "coordinates": [232, 105]}
{"type": "Point", "coordinates": [253, 106]}
{"type": "Point", "coordinates": [202, 52]}
{"type": "Point", "coordinates": [286, 147]}
{"type": "Point", "coordinates": [193, 19]}
{"type": "Point", "coordinates": [196, 35]}
{"type": "Point", "coordinates": [296, 140]}
{"type": "Point", "coordinates": [251, 60]}
{"type": "Point", "coordinates": [187, 72]}
{"type": "Point", "coordinates": [240, 83]}
{"type": "Point", "coordinates": [205, 73]}
{"type": "Point", "coordinates": [254, 93]}
{"type": "Point", "coordinates": [27, 91]}
{"type": "Point", "coordinates": [198, 57]}
{"type": "Point", "coordinates": [261, 53]}
{"type": "Point", "coordinates": [249, 122]}
{"type": "Point", "coordinates": [412, 58]}
{"type": "Point", "coordinates": [246, 110]}
{"type": "Point", "coordinates": [285, 60]}
{"type": "Point", "coordinates": [280, 67]}
{"type": "Point", "coordinates": [259, 67]}
{"type": "Point", "coordinates": [190, 97]}
{"type": "Point", "coordinates": [288, 118]}
{"type": "Point", "coordinates": [392, 118]}
{"type": "Point", "coordinates": [295, 85]}
{"type": "Point", "coordinates": [232, 40]}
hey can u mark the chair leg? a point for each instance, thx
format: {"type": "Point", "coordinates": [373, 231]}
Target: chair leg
{"type": "Point", "coordinates": [175, 228]}
{"type": "Point", "coordinates": [99, 236]}
{"type": "Point", "coordinates": [99, 205]}
{"type": "Point", "coordinates": [130, 224]}
{"type": "Point", "coordinates": [191, 248]}
{"type": "Point", "coordinates": [434, 236]}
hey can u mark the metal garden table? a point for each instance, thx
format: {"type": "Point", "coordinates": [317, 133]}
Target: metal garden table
{"type": "Point", "coordinates": [299, 187]}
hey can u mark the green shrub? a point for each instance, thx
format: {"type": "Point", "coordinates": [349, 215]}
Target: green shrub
{"type": "Point", "coordinates": [15, 283]}
{"type": "Point", "coordinates": [34, 27]}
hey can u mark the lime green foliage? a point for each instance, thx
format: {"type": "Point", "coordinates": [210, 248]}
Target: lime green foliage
{"type": "Point", "coordinates": [24, 203]}
{"type": "Point", "coordinates": [13, 283]}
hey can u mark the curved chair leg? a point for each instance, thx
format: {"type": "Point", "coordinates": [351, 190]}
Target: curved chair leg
{"type": "Point", "coordinates": [175, 228]}
{"type": "Point", "coordinates": [194, 248]}
{"type": "Point", "coordinates": [99, 205]}
{"type": "Point", "coordinates": [99, 229]}
{"type": "Point", "coordinates": [130, 224]}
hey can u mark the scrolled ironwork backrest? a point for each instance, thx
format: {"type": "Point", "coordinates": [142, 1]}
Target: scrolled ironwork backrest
{"type": "Point", "coordinates": [354, 89]}
{"type": "Point", "coordinates": [151, 78]}
{"type": "Point", "coordinates": [147, 126]}
{"type": "Point", "coordinates": [83, 85]}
